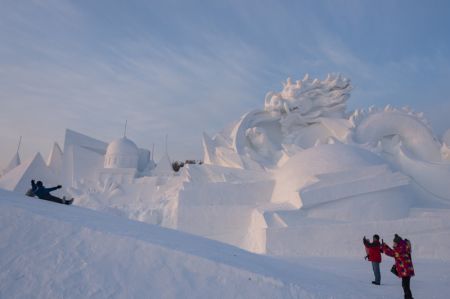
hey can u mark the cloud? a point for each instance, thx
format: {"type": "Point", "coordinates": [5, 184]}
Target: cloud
{"type": "Point", "coordinates": [181, 68]}
{"type": "Point", "coordinates": [158, 88]}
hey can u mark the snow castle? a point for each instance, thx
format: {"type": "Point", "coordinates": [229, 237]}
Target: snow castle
{"type": "Point", "coordinates": [275, 179]}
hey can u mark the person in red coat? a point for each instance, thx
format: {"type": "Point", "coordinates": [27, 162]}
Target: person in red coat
{"type": "Point", "coordinates": [401, 252]}
{"type": "Point", "coordinates": [373, 250]}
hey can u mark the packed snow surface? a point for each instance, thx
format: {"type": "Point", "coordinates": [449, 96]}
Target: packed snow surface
{"type": "Point", "coordinates": [55, 251]}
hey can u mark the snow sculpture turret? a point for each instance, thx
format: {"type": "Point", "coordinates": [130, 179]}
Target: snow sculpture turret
{"type": "Point", "coordinates": [122, 153]}
{"type": "Point", "coordinates": [120, 163]}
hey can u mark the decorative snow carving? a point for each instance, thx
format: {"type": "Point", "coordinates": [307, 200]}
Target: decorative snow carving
{"type": "Point", "coordinates": [311, 113]}
{"type": "Point", "coordinates": [311, 98]}
{"type": "Point", "coordinates": [260, 142]}
{"type": "Point", "coordinates": [299, 115]}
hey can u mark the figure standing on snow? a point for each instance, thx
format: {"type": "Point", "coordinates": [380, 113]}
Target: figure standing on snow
{"type": "Point", "coordinates": [404, 269]}
{"type": "Point", "coordinates": [41, 192]}
{"type": "Point", "coordinates": [373, 250]}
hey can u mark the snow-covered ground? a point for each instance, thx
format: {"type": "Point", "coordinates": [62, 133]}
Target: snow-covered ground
{"type": "Point", "coordinates": [294, 186]}
{"type": "Point", "coordinates": [49, 250]}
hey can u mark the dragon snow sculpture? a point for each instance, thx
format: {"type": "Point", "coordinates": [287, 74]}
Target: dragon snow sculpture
{"type": "Point", "coordinates": [311, 112]}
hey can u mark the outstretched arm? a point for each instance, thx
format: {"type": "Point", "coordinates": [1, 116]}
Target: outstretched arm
{"type": "Point", "coordinates": [366, 242]}
{"type": "Point", "coordinates": [53, 188]}
{"type": "Point", "coordinates": [387, 250]}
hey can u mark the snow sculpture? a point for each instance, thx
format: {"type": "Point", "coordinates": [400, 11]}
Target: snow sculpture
{"type": "Point", "coordinates": [301, 159]}
{"type": "Point", "coordinates": [55, 160]}
{"type": "Point", "coordinates": [445, 149]}
{"type": "Point", "coordinates": [120, 163]}
{"type": "Point", "coordinates": [18, 179]}
{"type": "Point", "coordinates": [405, 139]}
{"type": "Point", "coordinates": [122, 153]}
{"type": "Point", "coordinates": [13, 163]}
{"type": "Point", "coordinates": [299, 116]}
{"type": "Point", "coordinates": [413, 133]}
{"type": "Point", "coordinates": [446, 138]}
{"type": "Point", "coordinates": [311, 98]}
{"type": "Point", "coordinates": [163, 167]}
{"type": "Point", "coordinates": [310, 113]}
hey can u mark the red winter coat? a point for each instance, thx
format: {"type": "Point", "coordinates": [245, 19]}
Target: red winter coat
{"type": "Point", "coordinates": [373, 250]}
{"type": "Point", "coordinates": [402, 255]}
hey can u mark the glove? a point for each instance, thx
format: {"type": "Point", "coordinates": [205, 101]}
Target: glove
{"type": "Point", "coordinates": [32, 182]}
{"type": "Point", "coordinates": [59, 186]}
{"type": "Point", "coordinates": [366, 257]}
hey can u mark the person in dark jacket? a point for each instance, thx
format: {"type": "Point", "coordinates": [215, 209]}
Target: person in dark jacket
{"type": "Point", "coordinates": [373, 250]}
{"type": "Point", "coordinates": [404, 268]}
{"type": "Point", "coordinates": [41, 192]}
{"type": "Point", "coordinates": [30, 192]}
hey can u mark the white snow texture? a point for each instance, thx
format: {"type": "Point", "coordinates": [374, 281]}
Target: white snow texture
{"type": "Point", "coordinates": [278, 209]}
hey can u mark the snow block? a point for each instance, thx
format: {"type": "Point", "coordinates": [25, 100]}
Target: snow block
{"type": "Point", "coordinates": [335, 186]}
{"type": "Point", "coordinates": [207, 209]}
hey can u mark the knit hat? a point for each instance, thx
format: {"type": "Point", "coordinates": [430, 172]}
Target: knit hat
{"type": "Point", "coordinates": [397, 238]}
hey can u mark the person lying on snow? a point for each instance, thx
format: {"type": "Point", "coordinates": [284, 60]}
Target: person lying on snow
{"type": "Point", "coordinates": [38, 189]}
{"type": "Point", "coordinates": [373, 250]}
{"type": "Point", "coordinates": [403, 267]}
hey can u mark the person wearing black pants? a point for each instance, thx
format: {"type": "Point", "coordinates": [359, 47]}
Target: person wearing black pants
{"type": "Point", "coordinates": [403, 267]}
{"type": "Point", "coordinates": [406, 287]}
{"type": "Point", "coordinates": [41, 192]}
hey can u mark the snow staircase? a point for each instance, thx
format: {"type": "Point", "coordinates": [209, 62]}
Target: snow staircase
{"type": "Point", "coordinates": [345, 184]}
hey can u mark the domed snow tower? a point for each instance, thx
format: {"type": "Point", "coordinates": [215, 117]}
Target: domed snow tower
{"type": "Point", "coordinates": [121, 162]}
{"type": "Point", "coordinates": [122, 153]}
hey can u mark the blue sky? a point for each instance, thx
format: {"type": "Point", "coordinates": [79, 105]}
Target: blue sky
{"type": "Point", "coordinates": [186, 67]}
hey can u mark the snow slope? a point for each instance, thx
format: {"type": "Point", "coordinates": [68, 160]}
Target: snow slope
{"type": "Point", "coordinates": [55, 251]}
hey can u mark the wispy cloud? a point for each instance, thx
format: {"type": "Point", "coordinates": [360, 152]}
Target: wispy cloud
{"type": "Point", "coordinates": [181, 68]}
{"type": "Point", "coordinates": [159, 89]}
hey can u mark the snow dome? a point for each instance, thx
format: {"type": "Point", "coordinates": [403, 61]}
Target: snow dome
{"type": "Point", "coordinates": [122, 153]}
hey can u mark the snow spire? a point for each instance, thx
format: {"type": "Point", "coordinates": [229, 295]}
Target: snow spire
{"type": "Point", "coordinates": [167, 152]}
{"type": "Point", "coordinates": [15, 161]}
{"type": "Point", "coordinates": [153, 152]}
{"type": "Point", "coordinates": [18, 146]}
{"type": "Point", "coordinates": [164, 166]}
{"type": "Point", "coordinates": [55, 159]}
{"type": "Point", "coordinates": [125, 129]}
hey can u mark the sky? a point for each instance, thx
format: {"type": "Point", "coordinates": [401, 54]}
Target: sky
{"type": "Point", "coordinates": [185, 67]}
